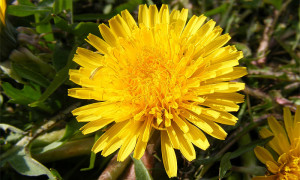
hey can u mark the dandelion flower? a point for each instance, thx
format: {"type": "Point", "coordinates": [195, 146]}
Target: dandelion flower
{"type": "Point", "coordinates": [160, 74]}
{"type": "Point", "coordinates": [2, 11]}
{"type": "Point", "coordinates": [286, 146]}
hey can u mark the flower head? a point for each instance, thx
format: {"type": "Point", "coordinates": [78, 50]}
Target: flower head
{"type": "Point", "coordinates": [2, 11]}
{"type": "Point", "coordinates": [160, 74]}
{"type": "Point", "coordinates": [286, 144]}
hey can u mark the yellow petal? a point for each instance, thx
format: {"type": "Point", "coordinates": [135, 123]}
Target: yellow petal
{"type": "Point", "coordinates": [173, 137]}
{"type": "Point", "coordinates": [196, 136]}
{"type": "Point", "coordinates": [221, 105]}
{"type": "Point", "coordinates": [153, 14]}
{"type": "Point", "coordinates": [173, 17]}
{"type": "Point", "coordinates": [224, 54]}
{"type": "Point", "coordinates": [193, 25]}
{"type": "Point", "coordinates": [98, 43]}
{"type": "Point", "coordinates": [95, 125]}
{"type": "Point", "coordinates": [205, 30]}
{"type": "Point", "coordinates": [103, 140]}
{"type": "Point", "coordinates": [223, 65]}
{"type": "Point", "coordinates": [217, 43]}
{"type": "Point", "coordinates": [129, 19]}
{"type": "Point", "coordinates": [127, 147]}
{"type": "Point", "coordinates": [185, 146]}
{"type": "Point", "coordinates": [297, 115]}
{"type": "Point", "coordinates": [89, 59]}
{"type": "Point", "coordinates": [195, 119]}
{"type": "Point", "coordinates": [139, 148]}
{"type": "Point", "coordinates": [165, 15]}
{"type": "Point", "coordinates": [264, 133]}
{"type": "Point", "coordinates": [296, 129]}
{"type": "Point", "coordinates": [288, 122]}
{"type": "Point", "coordinates": [180, 23]}
{"type": "Point", "coordinates": [194, 108]}
{"type": "Point", "coordinates": [181, 124]}
{"type": "Point", "coordinates": [283, 158]}
{"type": "Point", "coordinates": [168, 155]}
{"type": "Point", "coordinates": [194, 98]}
{"type": "Point", "coordinates": [147, 130]}
{"type": "Point", "coordinates": [108, 35]}
{"type": "Point", "coordinates": [117, 28]}
{"type": "Point", "coordinates": [272, 167]}
{"type": "Point", "coordinates": [124, 24]}
{"type": "Point", "coordinates": [112, 145]}
{"type": "Point", "coordinates": [210, 112]}
{"type": "Point", "coordinates": [234, 97]}
{"type": "Point", "coordinates": [279, 132]}
{"type": "Point", "coordinates": [263, 155]}
{"type": "Point", "coordinates": [271, 177]}
{"type": "Point", "coordinates": [161, 11]}
{"type": "Point", "coordinates": [107, 107]}
{"type": "Point", "coordinates": [236, 73]}
{"type": "Point", "coordinates": [2, 11]}
{"type": "Point", "coordinates": [217, 132]}
{"type": "Point", "coordinates": [225, 118]}
{"type": "Point", "coordinates": [88, 117]}
{"type": "Point", "coordinates": [143, 17]}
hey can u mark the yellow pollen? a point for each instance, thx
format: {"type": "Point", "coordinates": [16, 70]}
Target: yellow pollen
{"type": "Point", "coordinates": [291, 168]}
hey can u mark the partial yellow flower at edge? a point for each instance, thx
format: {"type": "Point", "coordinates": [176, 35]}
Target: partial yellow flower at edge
{"type": "Point", "coordinates": [2, 11]}
{"type": "Point", "coordinates": [158, 75]}
{"type": "Point", "coordinates": [286, 143]}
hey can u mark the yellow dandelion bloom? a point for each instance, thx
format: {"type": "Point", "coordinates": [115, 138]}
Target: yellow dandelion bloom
{"type": "Point", "coordinates": [286, 145]}
{"type": "Point", "coordinates": [160, 74]}
{"type": "Point", "coordinates": [2, 11]}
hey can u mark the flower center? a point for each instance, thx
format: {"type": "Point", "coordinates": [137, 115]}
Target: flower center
{"type": "Point", "coordinates": [291, 169]}
{"type": "Point", "coordinates": [151, 80]}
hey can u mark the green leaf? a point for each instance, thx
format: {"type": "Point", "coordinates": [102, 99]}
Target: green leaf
{"type": "Point", "coordinates": [92, 162]}
{"type": "Point", "coordinates": [235, 154]}
{"type": "Point", "coordinates": [26, 10]}
{"type": "Point", "coordinates": [44, 28]}
{"type": "Point", "coordinates": [14, 129]}
{"type": "Point", "coordinates": [56, 174]}
{"type": "Point", "coordinates": [29, 74]}
{"type": "Point", "coordinates": [93, 155]}
{"type": "Point", "coordinates": [25, 2]}
{"type": "Point", "coordinates": [58, 80]}
{"type": "Point", "coordinates": [84, 28]}
{"type": "Point", "coordinates": [217, 10]}
{"type": "Point", "coordinates": [25, 96]}
{"type": "Point", "coordinates": [71, 128]}
{"type": "Point", "coordinates": [141, 172]}
{"type": "Point", "coordinates": [289, 50]}
{"type": "Point", "coordinates": [92, 16]}
{"type": "Point", "coordinates": [225, 165]}
{"type": "Point", "coordinates": [60, 5]}
{"type": "Point", "coordinates": [276, 3]}
{"type": "Point", "coordinates": [207, 160]}
{"type": "Point", "coordinates": [7, 69]}
{"type": "Point", "coordinates": [63, 7]}
{"type": "Point", "coordinates": [9, 154]}
{"type": "Point", "coordinates": [13, 135]}
{"type": "Point", "coordinates": [130, 6]}
{"type": "Point", "coordinates": [243, 47]}
{"type": "Point", "coordinates": [26, 165]}
{"type": "Point", "coordinates": [61, 23]}
{"type": "Point", "coordinates": [60, 56]}
{"type": "Point", "coordinates": [249, 147]}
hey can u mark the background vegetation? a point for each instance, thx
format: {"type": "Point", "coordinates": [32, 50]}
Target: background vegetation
{"type": "Point", "coordinates": [38, 135]}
